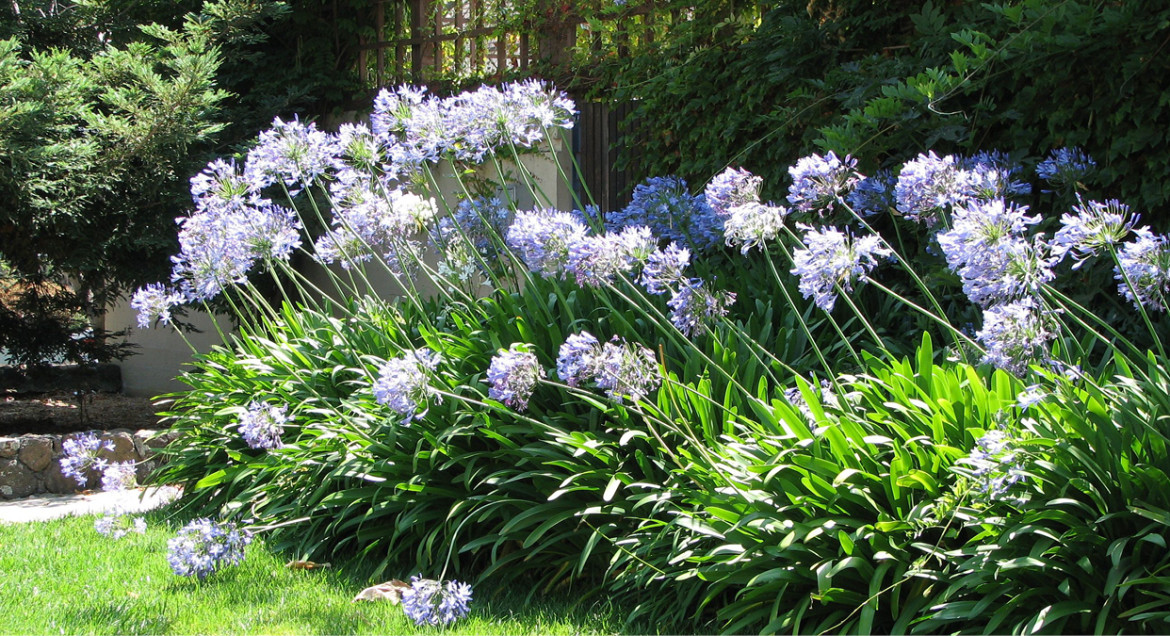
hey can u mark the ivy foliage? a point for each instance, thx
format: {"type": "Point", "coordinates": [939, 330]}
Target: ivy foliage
{"type": "Point", "coordinates": [889, 80]}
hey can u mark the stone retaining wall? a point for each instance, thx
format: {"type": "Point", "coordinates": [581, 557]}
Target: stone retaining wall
{"type": "Point", "coordinates": [31, 464]}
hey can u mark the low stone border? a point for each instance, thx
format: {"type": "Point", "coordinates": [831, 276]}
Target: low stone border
{"type": "Point", "coordinates": [31, 464]}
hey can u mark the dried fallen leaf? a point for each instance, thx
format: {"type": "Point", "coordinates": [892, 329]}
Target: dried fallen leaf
{"type": "Point", "coordinates": [388, 591]}
{"type": "Point", "coordinates": [307, 565]}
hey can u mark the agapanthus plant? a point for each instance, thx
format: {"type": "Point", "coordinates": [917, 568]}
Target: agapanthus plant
{"type": "Point", "coordinates": [819, 182]}
{"type": "Point", "coordinates": [403, 383]}
{"type": "Point", "coordinates": [513, 375]}
{"type": "Point", "coordinates": [262, 424]}
{"type": "Point", "coordinates": [203, 547]}
{"type": "Point", "coordinates": [833, 260]}
{"type": "Point", "coordinates": [672, 213]}
{"type": "Point", "coordinates": [431, 602]}
{"type": "Point", "coordinates": [118, 523]}
{"type": "Point", "coordinates": [82, 456]}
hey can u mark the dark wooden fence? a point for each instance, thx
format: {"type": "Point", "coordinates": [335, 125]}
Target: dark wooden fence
{"type": "Point", "coordinates": [596, 139]}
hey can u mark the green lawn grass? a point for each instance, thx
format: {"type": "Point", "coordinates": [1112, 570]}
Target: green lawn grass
{"type": "Point", "coordinates": [62, 577]}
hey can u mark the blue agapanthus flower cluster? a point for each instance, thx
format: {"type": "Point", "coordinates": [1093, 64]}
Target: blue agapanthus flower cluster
{"type": "Point", "coordinates": [154, 303]}
{"type": "Point", "coordinates": [625, 370]}
{"type": "Point", "coordinates": [576, 358]}
{"type": "Point", "coordinates": [231, 229]}
{"type": "Point", "coordinates": [664, 269]}
{"type": "Point", "coordinates": [1016, 334]}
{"type": "Point", "coordinates": [666, 206]}
{"type": "Point", "coordinates": [403, 383]}
{"type": "Point", "coordinates": [731, 188]}
{"type": "Point", "coordinates": [431, 602]}
{"type": "Point", "coordinates": [873, 194]}
{"type": "Point", "coordinates": [753, 225]}
{"type": "Point", "coordinates": [1143, 270]}
{"type": "Point", "coordinates": [597, 259]}
{"type": "Point", "coordinates": [291, 153]}
{"type": "Point", "coordinates": [1091, 227]}
{"type": "Point", "coordinates": [471, 126]}
{"type": "Point", "coordinates": [543, 238]}
{"type": "Point", "coordinates": [118, 523]}
{"type": "Point", "coordinates": [557, 245]}
{"type": "Point", "coordinates": [928, 185]}
{"type": "Point", "coordinates": [988, 247]}
{"type": "Point", "coordinates": [819, 182]}
{"type": "Point", "coordinates": [995, 464]}
{"type": "Point", "coordinates": [1064, 167]}
{"type": "Point", "coordinates": [747, 222]}
{"type": "Point", "coordinates": [833, 260]}
{"type": "Point", "coordinates": [82, 455]}
{"type": "Point", "coordinates": [513, 375]}
{"type": "Point", "coordinates": [695, 305]}
{"type": "Point", "coordinates": [372, 218]}
{"type": "Point", "coordinates": [204, 546]}
{"type": "Point", "coordinates": [262, 424]}
{"type": "Point", "coordinates": [993, 174]}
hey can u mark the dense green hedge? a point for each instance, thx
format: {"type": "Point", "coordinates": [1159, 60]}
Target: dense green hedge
{"type": "Point", "coordinates": [889, 80]}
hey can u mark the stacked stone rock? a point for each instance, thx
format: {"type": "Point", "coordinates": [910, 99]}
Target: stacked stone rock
{"type": "Point", "coordinates": [31, 464]}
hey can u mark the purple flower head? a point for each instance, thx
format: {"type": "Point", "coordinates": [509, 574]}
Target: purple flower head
{"type": "Point", "coordinates": [873, 194]}
{"type": "Point", "coordinates": [578, 358]}
{"type": "Point", "coordinates": [372, 220]}
{"type": "Point", "coordinates": [694, 306]}
{"type": "Point", "coordinates": [1015, 334]}
{"type": "Point", "coordinates": [927, 185]}
{"type": "Point", "coordinates": [820, 182]}
{"type": "Point", "coordinates": [987, 248]}
{"type": "Point", "coordinates": [1030, 396]}
{"type": "Point", "coordinates": [753, 225]}
{"type": "Point", "coordinates": [1064, 167]}
{"type": "Point", "coordinates": [1091, 227]}
{"type": "Point", "coordinates": [543, 239]}
{"type": "Point", "coordinates": [262, 425]}
{"type": "Point", "coordinates": [291, 153]}
{"type": "Point", "coordinates": [119, 476]}
{"type": "Point", "coordinates": [730, 188]}
{"type": "Point", "coordinates": [833, 259]}
{"type": "Point", "coordinates": [994, 464]}
{"type": "Point", "coordinates": [220, 242]}
{"type": "Point", "coordinates": [393, 110]}
{"type": "Point", "coordinates": [359, 149]}
{"type": "Point", "coordinates": [220, 184]}
{"type": "Point", "coordinates": [154, 302]}
{"type": "Point", "coordinates": [429, 602]}
{"type": "Point", "coordinates": [404, 384]}
{"type": "Point", "coordinates": [597, 260]}
{"type": "Point", "coordinates": [626, 370]}
{"type": "Point", "coordinates": [673, 214]}
{"type": "Point", "coordinates": [664, 269]}
{"type": "Point", "coordinates": [476, 221]}
{"type": "Point", "coordinates": [1143, 270]}
{"type": "Point", "coordinates": [471, 126]}
{"type": "Point", "coordinates": [81, 455]}
{"type": "Point", "coordinates": [117, 524]}
{"type": "Point", "coordinates": [204, 546]}
{"type": "Point", "coordinates": [513, 375]}
{"type": "Point", "coordinates": [993, 175]}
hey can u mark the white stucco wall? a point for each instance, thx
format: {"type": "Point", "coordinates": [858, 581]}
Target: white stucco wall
{"type": "Point", "coordinates": [162, 353]}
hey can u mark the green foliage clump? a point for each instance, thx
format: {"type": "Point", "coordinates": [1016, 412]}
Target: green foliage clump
{"type": "Point", "coordinates": [887, 83]}
{"type": "Point", "coordinates": [806, 460]}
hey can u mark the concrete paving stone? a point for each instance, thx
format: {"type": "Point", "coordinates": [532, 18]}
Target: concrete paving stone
{"type": "Point", "coordinates": [48, 507]}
